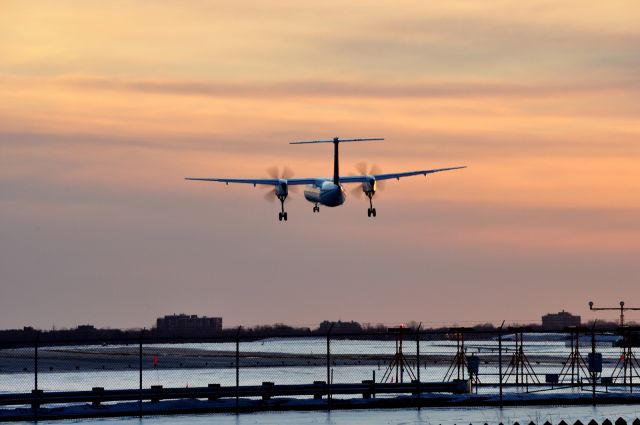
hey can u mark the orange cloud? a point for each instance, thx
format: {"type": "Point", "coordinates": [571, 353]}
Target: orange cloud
{"type": "Point", "coordinates": [107, 106]}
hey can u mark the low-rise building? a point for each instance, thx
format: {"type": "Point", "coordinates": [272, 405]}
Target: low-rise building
{"type": "Point", "coordinates": [186, 322]}
{"type": "Point", "coordinates": [560, 320]}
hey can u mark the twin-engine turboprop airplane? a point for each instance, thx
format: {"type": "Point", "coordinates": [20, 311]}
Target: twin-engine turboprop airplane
{"type": "Point", "coordinates": [326, 191]}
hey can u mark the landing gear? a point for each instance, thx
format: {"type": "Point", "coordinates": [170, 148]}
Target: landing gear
{"type": "Point", "coordinates": [316, 209]}
{"type": "Point", "coordinates": [282, 215]}
{"type": "Point", "coordinates": [371, 212]}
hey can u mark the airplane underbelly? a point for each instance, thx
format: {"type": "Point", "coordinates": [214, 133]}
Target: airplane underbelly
{"type": "Point", "coordinates": [332, 196]}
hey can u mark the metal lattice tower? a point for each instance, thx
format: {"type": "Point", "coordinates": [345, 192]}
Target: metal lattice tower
{"type": "Point", "coordinates": [520, 367]}
{"type": "Point", "coordinates": [459, 364]}
{"type": "Point", "coordinates": [627, 364]}
{"type": "Point", "coordinates": [398, 364]}
{"type": "Point", "coordinates": [575, 363]}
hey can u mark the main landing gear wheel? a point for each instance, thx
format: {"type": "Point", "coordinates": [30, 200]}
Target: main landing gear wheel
{"type": "Point", "coordinates": [371, 212]}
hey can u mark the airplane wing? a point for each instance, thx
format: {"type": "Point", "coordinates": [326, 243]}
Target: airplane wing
{"type": "Point", "coordinates": [269, 182]}
{"type": "Point", "coordinates": [387, 176]}
{"type": "Point", "coordinates": [312, 180]}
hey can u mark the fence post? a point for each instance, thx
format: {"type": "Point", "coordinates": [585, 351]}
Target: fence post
{"type": "Point", "coordinates": [629, 355]}
{"type": "Point", "coordinates": [329, 366]}
{"type": "Point", "coordinates": [238, 369]}
{"type": "Point", "coordinates": [593, 356]}
{"type": "Point", "coordinates": [35, 405]}
{"type": "Point", "coordinates": [36, 346]}
{"type": "Point", "coordinates": [140, 373]}
{"type": "Point", "coordinates": [500, 360]}
{"type": "Point", "coordinates": [418, 363]}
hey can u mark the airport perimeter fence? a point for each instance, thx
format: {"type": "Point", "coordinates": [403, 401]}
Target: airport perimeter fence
{"type": "Point", "coordinates": [505, 363]}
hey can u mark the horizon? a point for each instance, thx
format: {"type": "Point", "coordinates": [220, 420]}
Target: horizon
{"type": "Point", "coordinates": [312, 326]}
{"type": "Point", "coordinates": [108, 106]}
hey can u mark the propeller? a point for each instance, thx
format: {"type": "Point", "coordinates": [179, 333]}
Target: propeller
{"type": "Point", "coordinates": [365, 169]}
{"type": "Point", "coordinates": [270, 195]}
{"type": "Point", "coordinates": [368, 169]}
{"type": "Point", "coordinates": [356, 191]}
{"type": "Point", "coordinates": [281, 173]}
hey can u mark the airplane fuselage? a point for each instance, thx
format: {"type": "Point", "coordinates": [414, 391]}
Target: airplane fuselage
{"type": "Point", "coordinates": [325, 192]}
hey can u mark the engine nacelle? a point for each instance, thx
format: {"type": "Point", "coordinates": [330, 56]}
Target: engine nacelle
{"type": "Point", "coordinates": [369, 186]}
{"type": "Point", "coordinates": [282, 189]}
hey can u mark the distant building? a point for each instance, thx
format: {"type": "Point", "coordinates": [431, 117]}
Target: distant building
{"type": "Point", "coordinates": [340, 327]}
{"type": "Point", "coordinates": [186, 322]}
{"type": "Point", "coordinates": [86, 328]}
{"type": "Point", "coordinates": [560, 320]}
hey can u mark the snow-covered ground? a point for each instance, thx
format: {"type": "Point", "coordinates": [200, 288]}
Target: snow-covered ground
{"type": "Point", "coordinates": [547, 356]}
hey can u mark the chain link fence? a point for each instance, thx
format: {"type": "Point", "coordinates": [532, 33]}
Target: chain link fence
{"type": "Point", "coordinates": [506, 363]}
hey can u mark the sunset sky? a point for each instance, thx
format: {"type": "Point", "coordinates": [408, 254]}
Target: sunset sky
{"type": "Point", "coordinates": [106, 105]}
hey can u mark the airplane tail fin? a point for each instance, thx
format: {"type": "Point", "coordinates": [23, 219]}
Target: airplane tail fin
{"type": "Point", "coordinates": [336, 141]}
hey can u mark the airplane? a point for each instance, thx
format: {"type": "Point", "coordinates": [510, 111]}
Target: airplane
{"type": "Point", "coordinates": [329, 192]}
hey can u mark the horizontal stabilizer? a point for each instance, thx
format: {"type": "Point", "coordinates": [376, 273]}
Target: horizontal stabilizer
{"type": "Point", "coordinates": [336, 139]}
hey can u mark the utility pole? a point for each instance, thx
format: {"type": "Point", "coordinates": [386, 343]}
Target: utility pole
{"type": "Point", "coordinates": [622, 309]}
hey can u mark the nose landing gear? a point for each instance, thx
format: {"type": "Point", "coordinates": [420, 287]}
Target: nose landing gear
{"type": "Point", "coordinates": [316, 209]}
